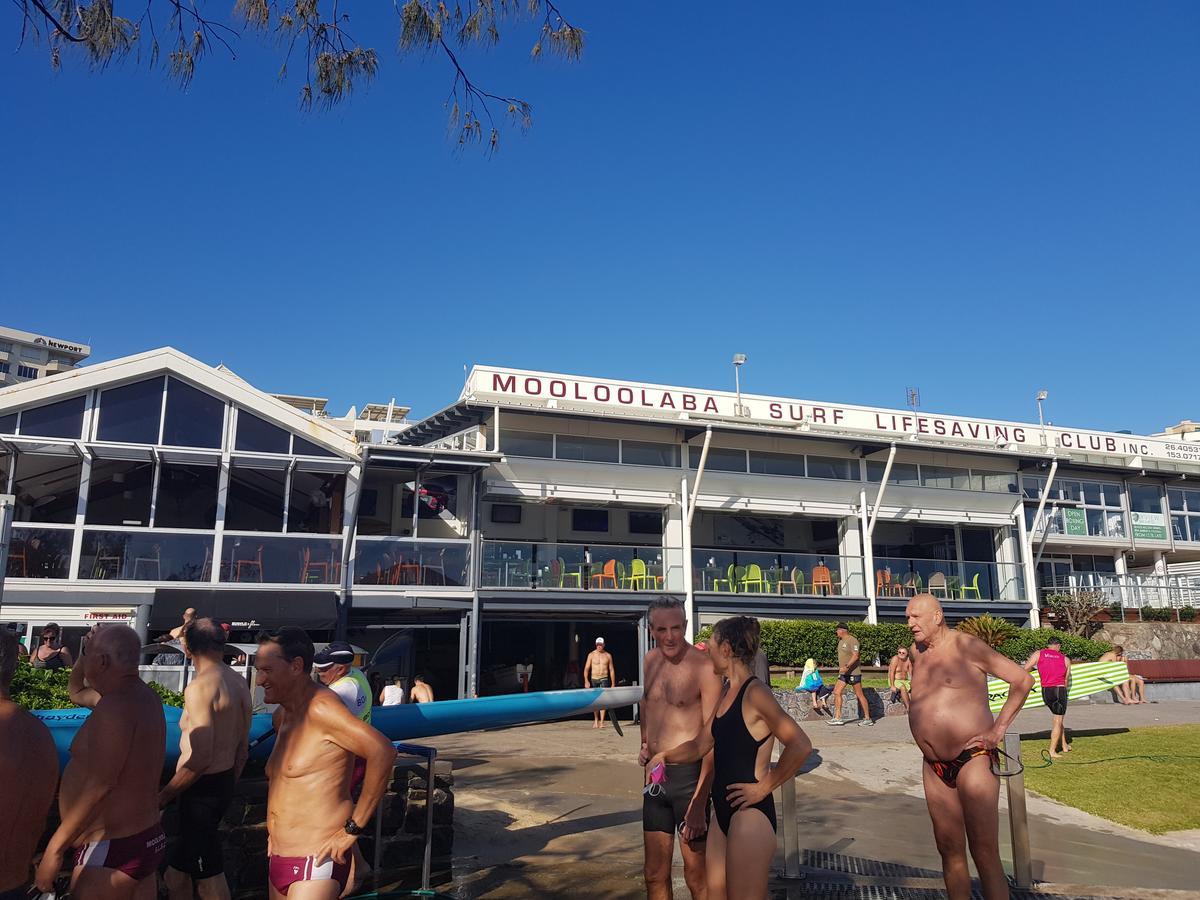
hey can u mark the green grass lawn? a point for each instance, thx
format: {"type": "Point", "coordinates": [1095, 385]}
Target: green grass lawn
{"type": "Point", "coordinates": [783, 683]}
{"type": "Point", "coordinates": [1155, 795]}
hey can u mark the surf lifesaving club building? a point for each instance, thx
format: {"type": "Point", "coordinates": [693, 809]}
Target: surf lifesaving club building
{"type": "Point", "coordinates": [540, 511]}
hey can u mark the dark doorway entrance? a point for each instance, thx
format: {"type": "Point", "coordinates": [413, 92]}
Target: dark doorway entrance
{"type": "Point", "coordinates": [556, 649]}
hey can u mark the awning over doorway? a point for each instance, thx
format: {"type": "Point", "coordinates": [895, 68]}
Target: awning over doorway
{"type": "Point", "coordinates": [246, 609]}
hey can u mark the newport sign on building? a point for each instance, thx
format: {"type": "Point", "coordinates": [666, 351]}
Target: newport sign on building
{"type": "Point", "coordinates": [539, 511]}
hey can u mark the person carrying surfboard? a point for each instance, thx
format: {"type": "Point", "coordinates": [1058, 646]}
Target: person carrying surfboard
{"type": "Point", "coordinates": [951, 723]}
{"type": "Point", "coordinates": [1054, 672]}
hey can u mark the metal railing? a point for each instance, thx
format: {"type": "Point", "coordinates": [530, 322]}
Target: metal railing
{"type": "Point", "coordinates": [1130, 591]}
{"type": "Point", "coordinates": [954, 579]}
{"type": "Point", "coordinates": [429, 754]}
{"type": "Point", "coordinates": [559, 566]}
{"type": "Point", "coordinates": [777, 572]}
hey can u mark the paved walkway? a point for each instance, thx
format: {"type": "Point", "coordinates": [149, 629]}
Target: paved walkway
{"type": "Point", "coordinates": [531, 800]}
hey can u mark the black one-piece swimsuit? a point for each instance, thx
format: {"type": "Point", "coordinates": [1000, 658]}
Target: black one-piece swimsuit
{"type": "Point", "coordinates": [735, 754]}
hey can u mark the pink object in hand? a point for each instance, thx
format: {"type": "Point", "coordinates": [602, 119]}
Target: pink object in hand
{"type": "Point", "coordinates": [658, 774]}
{"type": "Point", "coordinates": [701, 646]}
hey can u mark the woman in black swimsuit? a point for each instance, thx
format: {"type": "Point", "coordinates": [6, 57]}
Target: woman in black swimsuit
{"type": "Point", "coordinates": [739, 733]}
{"type": "Point", "coordinates": [50, 654]}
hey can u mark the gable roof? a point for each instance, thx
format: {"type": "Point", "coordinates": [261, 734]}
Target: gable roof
{"type": "Point", "coordinates": [167, 360]}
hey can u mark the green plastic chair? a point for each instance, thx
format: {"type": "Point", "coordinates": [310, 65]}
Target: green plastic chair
{"type": "Point", "coordinates": [727, 581]}
{"type": "Point", "coordinates": [972, 588]}
{"type": "Point", "coordinates": [753, 576]}
{"type": "Point", "coordinates": [564, 576]}
{"type": "Point", "coordinates": [637, 574]}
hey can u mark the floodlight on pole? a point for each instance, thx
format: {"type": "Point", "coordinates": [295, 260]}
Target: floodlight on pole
{"type": "Point", "coordinates": [739, 359]}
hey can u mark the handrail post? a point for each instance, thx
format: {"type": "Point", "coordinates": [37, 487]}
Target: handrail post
{"type": "Point", "coordinates": [430, 755]}
{"type": "Point", "coordinates": [1018, 816]}
{"type": "Point", "coordinates": [789, 834]}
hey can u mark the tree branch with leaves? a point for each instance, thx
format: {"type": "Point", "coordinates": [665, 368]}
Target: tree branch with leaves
{"type": "Point", "coordinates": [335, 63]}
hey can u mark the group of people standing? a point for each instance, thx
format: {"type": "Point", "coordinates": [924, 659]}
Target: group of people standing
{"type": "Point", "coordinates": [327, 771]}
{"type": "Point", "coordinates": [708, 726]}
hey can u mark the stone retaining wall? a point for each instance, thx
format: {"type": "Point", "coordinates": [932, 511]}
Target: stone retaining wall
{"type": "Point", "coordinates": [799, 705]}
{"type": "Point", "coordinates": [1153, 640]}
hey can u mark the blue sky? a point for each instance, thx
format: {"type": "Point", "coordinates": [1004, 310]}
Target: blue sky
{"type": "Point", "coordinates": [978, 201]}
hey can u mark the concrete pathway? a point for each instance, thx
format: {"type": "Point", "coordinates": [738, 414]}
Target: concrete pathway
{"type": "Point", "coordinates": [555, 811]}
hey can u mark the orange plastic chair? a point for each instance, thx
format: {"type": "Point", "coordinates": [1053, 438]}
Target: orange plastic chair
{"type": "Point", "coordinates": [821, 579]}
{"type": "Point", "coordinates": [607, 574]}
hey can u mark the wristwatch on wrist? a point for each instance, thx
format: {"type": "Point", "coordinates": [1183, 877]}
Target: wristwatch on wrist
{"type": "Point", "coordinates": [353, 828]}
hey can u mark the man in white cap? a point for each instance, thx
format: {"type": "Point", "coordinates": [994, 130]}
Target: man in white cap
{"type": "Point", "coordinates": [599, 672]}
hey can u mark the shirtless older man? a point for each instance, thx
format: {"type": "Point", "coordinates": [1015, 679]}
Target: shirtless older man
{"type": "Point", "coordinates": [600, 672]}
{"type": "Point", "coordinates": [312, 823]}
{"type": "Point", "coordinates": [951, 723]}
{"type": "Point", "coordinates": [28, 776]}
{"type": "Point", "coordinates": [213, 746]}
{"type": "Point", "coordinates": [108, 800]}
{"type": "Point", "coordinates": [680, 694]}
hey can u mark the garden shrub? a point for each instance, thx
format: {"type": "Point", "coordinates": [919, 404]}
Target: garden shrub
{"type": "Point", "coordinates": [789, 642]}
{"type": "Point", "coordinates": [47, 689]}
{"type": "Point", "coordinates": [1021, 645]}
{"type": "Point", "coordinates": [1157, 614]}
{"type": "Point", "coordinates": [989, 629]}
{"type": "Point", "coordinates": [1187, 614]}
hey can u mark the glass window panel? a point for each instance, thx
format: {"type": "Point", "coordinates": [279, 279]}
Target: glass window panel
{"type": "Point", "coordinates": [1091, 493]}
{"type": "Point", "coordinates": [1111, 494]}
{"type": "Point", "coordinates": [437, 508]}
{"type": "Point", "coordinates": [386, 505]}
{"type": "Point", "coordinates": [187, 496]}
{"type": "Point", "coordinates": [256, 436]}
{"type": "Point", "coordinates": [776, 463]}
{"type": "Point", "coordinates": [1145, 498]}
{"type": "Point", "coordinates": [301, 447]}
{"type": "Point", "coordinates": [1031, 486]}
{"type": "Point", "coordinates": [1069, 490]}
{"type": "Point", "coordinates": [1192, 498]}
{"type": "Point", "coordinates": [255, 501]}
{"type": "Point", "coordinates": [1194, 527]}
{"type": "Point", "coordinates": [999, 482]}
{"type": "Point", "coordinates": [63, 419]}
{"type": "Point", "coordinates": [47, 488]}
{"type": "Point", "coordinates": [145, 556]}
{"type": "Point", "coordinates": [39, 553]}
{"type": "Point", "coordinates": [1179, 527]}
{"type": "Point", "coordinates": [644, 453]}
{"type": "Point", "coordinates": [945, 477]}
{"type": "Point", "coordinates": [131, 414]}
{"type": "Point", "coordinates": [1095, 522]}
{"type": "Point", "coordinates": [5, 467]}
{"type": "Point", "coordinates": [194, 418]}
{"type": "Point", "coordinates": [119, 492]}
{"type": "Point", "coordinates": [830, 467]}
{"type": "Point", "coordinates": [1175, 499]}
{"type": "Point", "coordinates": [8, 424]}
{"type": "Point", "coordinates": [528, 443]}
{"type": "Point", "coordinates": [1114, 523]}
{"type": "Point", "coordinates": [902, 473]}
{"type": "Point", "coordinates": [281, 560]}
{"type": "Point", "coordinates": [719, 459]}
{"type": "Point", "coordinates": [588, 449]}
{"type": "Point", "coordinates": [316, 503]}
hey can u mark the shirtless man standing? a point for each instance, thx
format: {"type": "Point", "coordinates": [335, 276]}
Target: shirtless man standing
{"type": "Point", "coordinates": [680, 694]}
{"type": "Point", "coordinates": [599, 672]}
{"type": "Point", "coordinates": [951, 723]}
{"type": "Point", "coordinates": [420, 692]}
{"type": "Point", "coordinates": [108, 800]}
{"type": "Point", "coordinates": [213, 745]}
{"type": "Point", "coordinates": [28, 776]}
{"type": "Point", "coordinates": [311, 821]}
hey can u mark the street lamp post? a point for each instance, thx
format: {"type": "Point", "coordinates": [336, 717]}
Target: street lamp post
{"type": "Point", "coordinates": [1041, 396]}
{"type": "Point", "coordinates": [739, 360]}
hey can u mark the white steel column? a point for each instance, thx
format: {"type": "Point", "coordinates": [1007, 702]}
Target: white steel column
{"type": "Point", "coordinates": [868, 551]}
{"type": "Point", "coordinates": [689, 590]}
{"type": "Point", "coordinates": [1027, 565]}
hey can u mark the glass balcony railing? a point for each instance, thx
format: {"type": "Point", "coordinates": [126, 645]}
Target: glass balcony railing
{"type": "Point", "coordinates": [145, 556]}
{"type": "Point", "coordinates": [276, 559]}
{"type": "Point", "coordinates": [769, 572]}
{"type": "Point", "coordinates": [39, 553]}
{"type": "Point", "coordinates": [608, 567]}
{"type": "Point", "coordinates": [952, 579]}
{"type": "Point", "coordinates": [406, 562]}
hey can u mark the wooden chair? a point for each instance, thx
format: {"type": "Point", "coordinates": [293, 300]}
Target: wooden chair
{"type": "Point", "coordinates": [937, 582]}
{"type": "Point", "coordinates": [254, 565]}
{"type": "Point", "coordinates": [16, 557]}
{"type": "Point", "coordinates": [822, 580]}
{"type": "Point", "coordinates": [608, 574]}
{"type": "Point", "coordinates": [310, 567]}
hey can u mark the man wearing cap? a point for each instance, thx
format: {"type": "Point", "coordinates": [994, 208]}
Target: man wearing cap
{"type": "Point", "coordinates": [599, 672]}
{"type": "Point", "coordinates": [336, 670]}
{"type": "Point", "coordinates": [848, 674]}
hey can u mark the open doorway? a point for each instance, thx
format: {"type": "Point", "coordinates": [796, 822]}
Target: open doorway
{"type": "Point", "coordinates": [557, 651]}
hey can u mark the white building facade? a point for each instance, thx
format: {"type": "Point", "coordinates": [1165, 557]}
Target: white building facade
{"type": "Point", "coordinates": [540, 511]}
